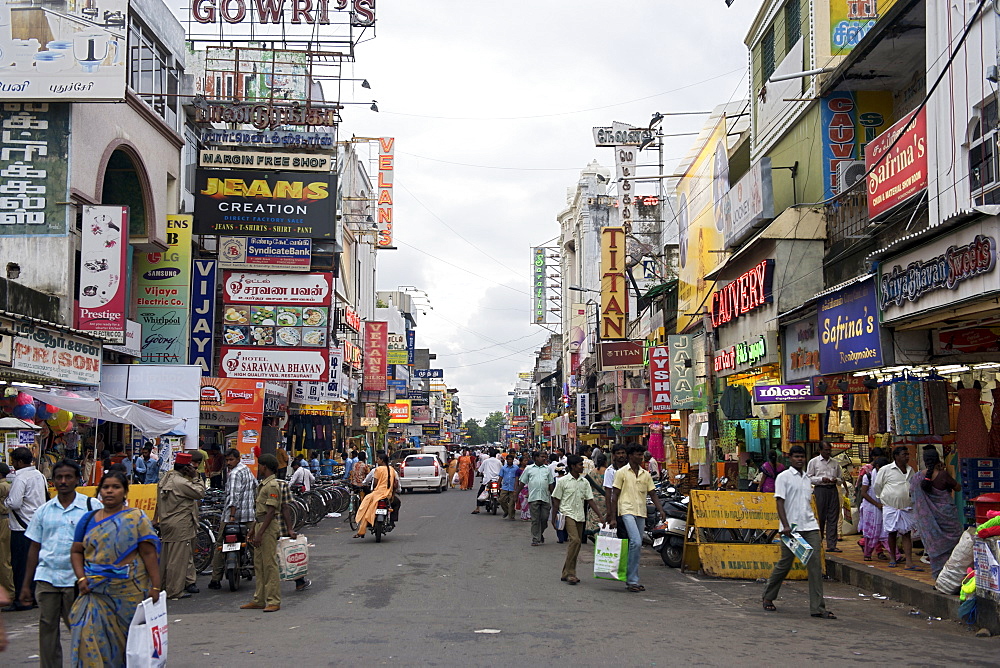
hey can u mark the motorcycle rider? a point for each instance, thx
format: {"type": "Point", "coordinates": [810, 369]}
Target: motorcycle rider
{"type": "Point", "coordinates": [241, 490]}
{"type": "Point", "coordinates": [490, 470]}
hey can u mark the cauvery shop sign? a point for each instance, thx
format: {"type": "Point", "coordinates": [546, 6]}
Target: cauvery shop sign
{"type": "Point", "coordinates": [849, 332]}
{"type": "Point", "coordinates": [751, 290]}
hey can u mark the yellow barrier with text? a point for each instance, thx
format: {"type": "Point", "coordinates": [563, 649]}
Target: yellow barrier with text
{"type": "Point", "coordinates": [732, 534]}
{"type": "Point", "coordinates": [142, 497]}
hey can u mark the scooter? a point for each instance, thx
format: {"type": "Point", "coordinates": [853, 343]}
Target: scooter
{"type": "Point", "coordinates": [384, 520]}
{"type": "Point", "coordinates": [668, 538]}
{"type": "Point", "coordinates": [493, 497]}
{"type": "Point", "coordinates": [236, 551]}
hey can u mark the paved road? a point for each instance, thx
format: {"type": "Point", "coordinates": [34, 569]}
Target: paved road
{"type": "Point", "coordinates": [420, 597]}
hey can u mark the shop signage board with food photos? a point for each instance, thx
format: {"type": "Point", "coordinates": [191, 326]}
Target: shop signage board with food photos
{"type": "Point", "coordinates": [281, 311]}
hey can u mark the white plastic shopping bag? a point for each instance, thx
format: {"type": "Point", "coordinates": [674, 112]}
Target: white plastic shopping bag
{"type": "Point", "coordinates": [485, 495]}
{"type": "Point", "coordinates": [293, 557]}
{"type": "Point", "coordinates": [147, 635]}
{"type": "Point", "coordinates": [560, 523]}
{"type": "Point", "coordinates": [610, 556]}
{"type": "Point", "coordinates": [454, 479]}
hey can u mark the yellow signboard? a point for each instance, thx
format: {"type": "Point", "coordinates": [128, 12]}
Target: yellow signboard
{"type": "Point", "coordinates": [723, 521]}
{"type": "Point", "coordinates": [614, 290]}
{"type": "Point", "coordinates": [850, 21]}
{"type": "Point", "coordinates": [701, 195]}
{"type": "Point", "coordinates": [142, 497]}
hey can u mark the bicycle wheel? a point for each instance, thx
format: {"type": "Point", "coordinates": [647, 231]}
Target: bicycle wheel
{"type": "Point", "coordinates": [315, 507]}
{"type": "Point", "coordinates": [352, 511]}
{"type": "Point", "coordinates": [204, 544]}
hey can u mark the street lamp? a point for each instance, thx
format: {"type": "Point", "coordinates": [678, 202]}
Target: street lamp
{"type": "Point", "coordinates": [579, 289]}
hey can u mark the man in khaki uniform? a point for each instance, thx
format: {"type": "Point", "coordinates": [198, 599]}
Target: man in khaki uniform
{"type": "Point", "coordinates": [176, 516]}
{"type": "Point", "coordinates": [6, 573]}
{"type": "Point", "coordinates": [264, 538]}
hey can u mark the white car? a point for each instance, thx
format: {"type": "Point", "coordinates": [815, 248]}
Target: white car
{"type": "Point", "coordinates": [423, 472]}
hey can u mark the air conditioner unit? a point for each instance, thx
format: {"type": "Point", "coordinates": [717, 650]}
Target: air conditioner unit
{"type": "Point", "coordinates": [848, 174]}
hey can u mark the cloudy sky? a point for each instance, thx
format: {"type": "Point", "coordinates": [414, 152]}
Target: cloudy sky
{"type": "Point", "coordinates": [492, 105]}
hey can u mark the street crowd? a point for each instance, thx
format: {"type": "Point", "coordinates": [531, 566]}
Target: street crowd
{"type": "Point", "coordinates": [88, 562]}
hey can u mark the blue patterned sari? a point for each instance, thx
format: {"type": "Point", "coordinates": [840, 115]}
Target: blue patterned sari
{"type": "Point", "coordinates": [118, 582]}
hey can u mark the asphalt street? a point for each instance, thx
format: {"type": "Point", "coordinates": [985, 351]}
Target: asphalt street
{"type": "Point", "coordinates": [448, 588]}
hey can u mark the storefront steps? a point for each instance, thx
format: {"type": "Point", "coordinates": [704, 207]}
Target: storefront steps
{"type": "Point", "coordinates": [909, 590]}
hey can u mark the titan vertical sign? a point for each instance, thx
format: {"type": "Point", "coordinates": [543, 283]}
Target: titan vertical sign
{"type": "Point", "coordinates": [659, 379]}
{"type": "Point", "coordinates": [203, 315]}
{"type": "Point", "coordinates": [538, 286]}
{"type": "Point", "coordinates": [614, 294]}
{"type": "Point", "coordinates": [386, 169]}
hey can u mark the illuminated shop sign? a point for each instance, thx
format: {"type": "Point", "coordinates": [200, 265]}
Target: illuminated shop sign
{"type": "Point", "coordinates": [745, 353]}
{"type": "Point", "coordinates": [945, 271]}
{"type": "Point", "coordinates": [749, 291]}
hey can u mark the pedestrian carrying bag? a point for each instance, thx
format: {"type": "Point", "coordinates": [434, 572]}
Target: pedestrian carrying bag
{"type": "Point", "coordinates": [147, 635]}
{"type": "Point", "coordinates": [293, 557]}
{"type": "Point", "coordinates": [610, 556]}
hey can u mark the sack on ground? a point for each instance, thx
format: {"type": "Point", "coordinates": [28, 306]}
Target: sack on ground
{"type": "Point", "coordinates": [949, 581]}
{"type": "Point", "coordinates": [293, 557]}
{"type": "Point", "coordinates": [147, 635]}
{"type": "Point", "coordinates": [610, 556]}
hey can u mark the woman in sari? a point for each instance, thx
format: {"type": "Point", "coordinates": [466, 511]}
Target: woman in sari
{"type": "Point", "coordinates": [596, 480]}
{"type": "Point", "coordinates": [467, 469]}
{"type": "Point", "coordinates": [870, 512]}
{"type": "Point", "coordinates": [935, 511]}
{"type": "Point", "coordinates": [114, 557]}
{"type": "Point", "coordinates": [386, 484]}
{"type": "Point", "coordinates": [769, 471]}
{"type": "Point", "coordinates": [452, 470]}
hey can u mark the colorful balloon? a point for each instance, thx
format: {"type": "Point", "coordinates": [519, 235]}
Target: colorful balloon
{"type": "Point", "coordinates": [23, 399]}
{"type": "Point", "coordinates": [24, 411]}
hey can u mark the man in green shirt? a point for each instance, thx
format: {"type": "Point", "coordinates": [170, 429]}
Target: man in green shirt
{"type": "Point", "coordinates": [540, 482]}
{"type": "Point", "coordinates": [569, 497]}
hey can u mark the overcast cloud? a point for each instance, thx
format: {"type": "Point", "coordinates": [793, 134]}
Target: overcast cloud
{"type": "Point", "coordinates": [489, 103]}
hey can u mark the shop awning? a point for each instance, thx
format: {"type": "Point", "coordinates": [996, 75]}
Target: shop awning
{"type": "Point", "coordinates": [103, 406]}
{"type": "Point", "coordinates": [14, 423]}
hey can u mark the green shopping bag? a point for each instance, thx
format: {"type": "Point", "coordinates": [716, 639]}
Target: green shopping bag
{"type": "Point", "coordinates": [610, 556]}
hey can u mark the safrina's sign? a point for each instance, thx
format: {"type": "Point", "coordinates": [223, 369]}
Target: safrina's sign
{"type": "Point", "coordinates": [749, 291]}
{"type": "Point", "coordinates": [277, 204]}
{"type": "Point", "coordinates": [295, 161]}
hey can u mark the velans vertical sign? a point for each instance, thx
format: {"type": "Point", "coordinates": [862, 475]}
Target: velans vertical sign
{"type": "Point", "coordinates": [386, 169]}
{"type": "Point", "coordinates": [163, 294]}
{"type": "Point", "coordinates": [376, 348]}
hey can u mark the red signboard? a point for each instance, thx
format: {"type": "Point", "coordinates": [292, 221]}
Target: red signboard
{"type": "Point", "coordinates": [230, 395]}
{"type": "Point", "coordinates": [659, 379]}
{"type": "Point", "coordinates": [896, 162]}
{"type": "Point", "coordinates": [621, 355]}
{"type": "Point", "coordinates": [242, 287]}
{"type": "Point", "coordinates": [376, 349]}
{"type": "Point", "coordinates": [743, 295]}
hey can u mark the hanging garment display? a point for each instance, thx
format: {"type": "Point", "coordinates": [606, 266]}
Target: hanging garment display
{"type": "Point", "coordinates": [736, 402]}
{"type": "Point", "coordinates": [972, 437]}
{"type": "Point", "coordinates": [909, 410]}
{"type": "Point", "coordinates": [994, 442]}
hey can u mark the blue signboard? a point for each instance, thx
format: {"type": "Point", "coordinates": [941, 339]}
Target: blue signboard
{"type": "Point", "coordinates": [276, 253]}
{"type": "Point", "coordinates": [202, 315]}
{"type": "Point", "coordinates": [850, 338]}
{"type": "Point", "coordinates": [411, 346]}
{"type": "Point", "coordinates": [428, 373]}
{"type": "Point", "coordinates": [398, 385]}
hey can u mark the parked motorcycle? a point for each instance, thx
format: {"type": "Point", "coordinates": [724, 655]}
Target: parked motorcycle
{"type": "Point", "coordinates": [668, 537]}
{"type": "Point", "coordinates": [384, 520]}
{"type": "Point", "coordinates": [493, 497]}
{"type": "Point", "coordinates": [236, 551]}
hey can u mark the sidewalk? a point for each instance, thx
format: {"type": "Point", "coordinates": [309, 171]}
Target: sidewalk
{"type": "Point", "coordinates": [915, 588]}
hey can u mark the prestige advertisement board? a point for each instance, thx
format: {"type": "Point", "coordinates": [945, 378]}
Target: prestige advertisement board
{"type": "Point", "coordinates": [273, 204]}
{"type": "Point", "coordinates": [101, 299]}
{"type": "Point", "coordinates": [232, 395]}
{"type": "Point", "coordinates": [66, 51]}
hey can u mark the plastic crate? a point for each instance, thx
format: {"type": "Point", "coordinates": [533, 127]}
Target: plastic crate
{"type": "Point", "coordinates": [985, 503]}
{"type": "Point", "coordinates": [981, 464]}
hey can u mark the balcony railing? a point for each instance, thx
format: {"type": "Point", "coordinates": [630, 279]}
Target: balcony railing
{"type": "Point", "coordinates": [847, 217]}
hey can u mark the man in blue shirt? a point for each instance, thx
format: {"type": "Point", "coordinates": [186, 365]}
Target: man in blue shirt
{"type": "Point", "coordinates": [508, 481]}
{"type": "Point", "coordinates": [51, 532]}
{"type": "Point", "coordinates": [349, 463]}
{"type": "Point", "coordinates": [152, 466]}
